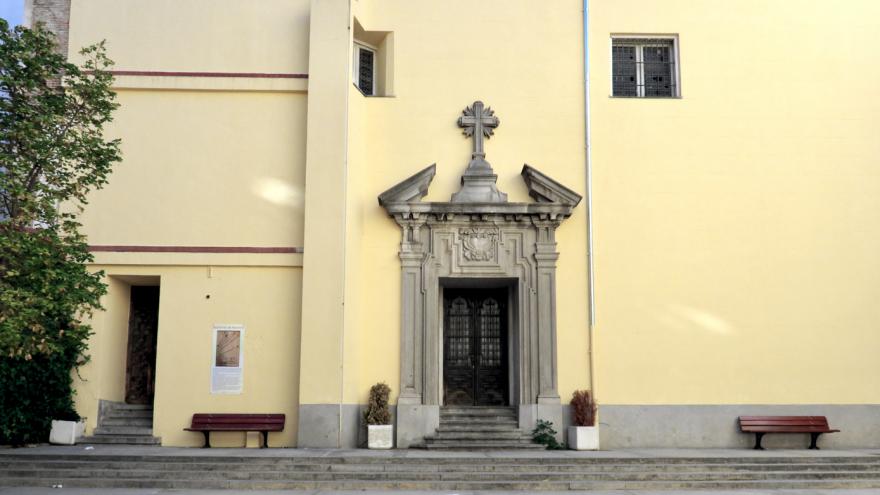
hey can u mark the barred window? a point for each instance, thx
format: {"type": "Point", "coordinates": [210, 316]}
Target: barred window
{"type": "Point", "coordinates": [364, 69]}
{"type": "Point", "coordinates": [644, 68]}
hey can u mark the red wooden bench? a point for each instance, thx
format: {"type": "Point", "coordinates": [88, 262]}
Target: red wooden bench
{"type": "Point", "coordinates": [263, 423]}
{"type": "Point", "coordinates": [761, 425]}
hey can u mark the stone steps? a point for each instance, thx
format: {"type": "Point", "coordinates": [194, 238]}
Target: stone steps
{"type": "Point", "coordinates": [479, 428]}
{"type": "Point", "coordinates": [105, 429]}
{"type": "Point", "coordinates": [506, 465]}
{"type": "Point", "coordinates": [483, 423]}
{"type": "Point", "coordinates": [124, 424]}
{"type": "Point", "coordinates": [130, 413]}
{"type": "Point", "coordinates": [120, 440]}
{"type": "Point", "coordinates": [506, 469]}
{"type": "Point", "coordinates": [477, 411]}
{"type": "Point", "coordinates": [140, 422]}
{"type": "Point", "coordinates": [479, 434]}
{"type": "Point", "coordinates": [437, 477]}
{"type": "Point", "coordinates": [507, 472]}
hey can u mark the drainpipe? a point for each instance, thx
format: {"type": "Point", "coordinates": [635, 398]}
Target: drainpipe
{"type": "Point", "coordinates": [589, 165]}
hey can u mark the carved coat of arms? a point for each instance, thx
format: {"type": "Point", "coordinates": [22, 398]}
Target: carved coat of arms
{"type": "Point", "coordinates": [478, 244]}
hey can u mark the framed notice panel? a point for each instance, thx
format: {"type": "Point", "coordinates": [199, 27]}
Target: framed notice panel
{"type": "Point", "coordinates": [227, 363]}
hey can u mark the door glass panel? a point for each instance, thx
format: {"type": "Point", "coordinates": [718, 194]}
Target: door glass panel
{"type": "Point", "coordinates": [475, 347]}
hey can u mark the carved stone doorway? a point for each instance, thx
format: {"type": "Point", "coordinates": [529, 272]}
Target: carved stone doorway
{"type": "Point", "coordinates": [143, 325]}
{"type": "Point", "coordinates": [475, 353]}
{"type": "Point", "coordinates": [477, 236]}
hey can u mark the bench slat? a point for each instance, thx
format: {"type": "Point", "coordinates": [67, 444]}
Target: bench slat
{"type": "Point", "coordinates": [237, 420]}
{"type": "Point", "coordinates": [238, 416]}
{"type": "Point", "coordinates": [784, 423]}
{"type": "Point", "coordinates": [762, 420]}
{"type": "Point", "coordinates": [235, 428]}
{"type": "Point", "coordinates": [786, 429]}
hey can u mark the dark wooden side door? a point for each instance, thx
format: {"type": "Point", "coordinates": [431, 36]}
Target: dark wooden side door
{"type": "Point", "coordinates": [143, 324]}
{"type": "Point", "coordinates": [475, 347]}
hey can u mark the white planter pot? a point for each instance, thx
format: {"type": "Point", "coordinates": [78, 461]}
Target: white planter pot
{"type": "Point", "coordinates": [583, 437]}
{"type": "Point", "coordinates": [66, 432]}
{"type": "Point", "coordinates": [380, 436]}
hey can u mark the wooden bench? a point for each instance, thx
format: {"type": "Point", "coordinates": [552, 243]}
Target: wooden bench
{"type": "Point", "coordinates": [761, 425]}
{"type": "Point", "coordinates": [263, 423]}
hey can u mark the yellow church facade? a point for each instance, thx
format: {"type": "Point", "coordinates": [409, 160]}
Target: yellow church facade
{"type": "Point", "coordinates": [675, 205]}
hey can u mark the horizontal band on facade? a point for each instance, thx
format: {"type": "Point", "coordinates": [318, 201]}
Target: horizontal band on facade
{"type": "Point", "coordinates": [250, 75]}
{"type": "Point", "coordinates": [195, 249]}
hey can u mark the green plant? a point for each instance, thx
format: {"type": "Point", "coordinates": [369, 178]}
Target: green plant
{"type": "Point", "coordinates": [377, 412]}
{"type": "Point", "coordinates": [52, 155]}
{"type": "Point", "coordinates": [33, 393]}
{"type": "Point", "coordinates": [546, 435]}
{"type": "Point", "coordinates": [583, 408]}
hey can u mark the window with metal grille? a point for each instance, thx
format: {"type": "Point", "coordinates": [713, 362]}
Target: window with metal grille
{"type": "Point", "coordinates": [644, 68]}
{"type": "Point", "coordinates": [364, 69]}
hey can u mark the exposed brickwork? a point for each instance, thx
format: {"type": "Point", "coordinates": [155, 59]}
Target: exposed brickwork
{"type": "Point", "coordinates": [55, 16]}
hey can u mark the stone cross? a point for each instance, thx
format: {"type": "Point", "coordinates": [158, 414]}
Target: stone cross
{"type": "Point", "coordinates": [478, 122]}
{"type": "Point", "coordinates": [478, 181]}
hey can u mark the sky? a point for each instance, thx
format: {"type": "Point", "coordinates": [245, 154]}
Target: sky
{"type": "Point", "coordinates": [12, 11]}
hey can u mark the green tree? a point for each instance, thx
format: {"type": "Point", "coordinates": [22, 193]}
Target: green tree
{"type": "Point", "coordinates": [52, 154]}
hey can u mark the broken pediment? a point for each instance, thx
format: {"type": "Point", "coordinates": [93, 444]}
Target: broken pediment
{"type": "Point", "coordinates": [412, 189]}
{"type": "Point", "coordinates": [546, 190]}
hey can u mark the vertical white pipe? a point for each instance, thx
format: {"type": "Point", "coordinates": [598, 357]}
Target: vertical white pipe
{"type": "Point", "coordinates": [589, 165]}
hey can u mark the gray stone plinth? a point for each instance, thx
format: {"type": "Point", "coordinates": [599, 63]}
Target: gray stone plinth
{"type": "Point", "coordinates": [319, 426]}
{"type": "Point", "coordinates": [558, 414]}
{"type": "Point", "coordinates": [415, 422]}
{"type": "Point", "coordinates": [716, 426]}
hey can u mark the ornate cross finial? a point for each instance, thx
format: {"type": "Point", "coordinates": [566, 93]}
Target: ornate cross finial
{"type": "Point", "coordinates": [478, 181]}
{"type": "Point", "coordinates": [478, 122]}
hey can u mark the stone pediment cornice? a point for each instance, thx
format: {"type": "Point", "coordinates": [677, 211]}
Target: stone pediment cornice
{"type": "Point", "coordinates": [553, 200]}
{"type": "Point", "coordinates": [411, 189]}
{"type": "Point", "coordinates": [546, 190]}
{"type": "Point", "coordinates": [446, 210]}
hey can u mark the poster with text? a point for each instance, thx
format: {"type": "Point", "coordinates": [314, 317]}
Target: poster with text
{"type": "Point", "coordinates": [227, 364]}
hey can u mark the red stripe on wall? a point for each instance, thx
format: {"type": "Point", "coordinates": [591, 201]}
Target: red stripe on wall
{"type": "Point", "coordinates": [195, 249]}
{"type": "Point", "coordinates": [253, 75]}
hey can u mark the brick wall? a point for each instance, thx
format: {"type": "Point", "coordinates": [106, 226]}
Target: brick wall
{"type": "Point", "coordinates": [54, 14]}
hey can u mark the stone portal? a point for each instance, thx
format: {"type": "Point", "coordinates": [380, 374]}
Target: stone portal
{"type": "Point", "coordinates": [478, 235]}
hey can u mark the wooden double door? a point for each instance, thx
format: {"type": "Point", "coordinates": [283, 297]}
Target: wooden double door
{"type": "Point", "coordinates": [475, 362]}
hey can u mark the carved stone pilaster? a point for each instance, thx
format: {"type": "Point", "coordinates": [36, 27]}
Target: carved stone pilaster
{"type": "Point", "coordinates": [545, 262]}
{"type": "Point", "coordinates": [412, 304]}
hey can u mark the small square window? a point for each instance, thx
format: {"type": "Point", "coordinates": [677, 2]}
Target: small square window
{"type": "Point", "coordinates": [364, 69]}
{"type": "Point", "coordinates": [644, 68]}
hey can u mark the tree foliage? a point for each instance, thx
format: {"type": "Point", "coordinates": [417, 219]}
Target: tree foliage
{"type": "Point", "coordinates": [52, 154]}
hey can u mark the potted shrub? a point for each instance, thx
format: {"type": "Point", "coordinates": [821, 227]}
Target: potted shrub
{"type": "Point", "coordinates": [380, 432]}
{"type": "Point", "coordinates": [584, 434]}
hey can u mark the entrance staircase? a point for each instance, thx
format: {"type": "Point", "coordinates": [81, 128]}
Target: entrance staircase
{"type": "Point", "coordinates": [124, 424]}
{"type": "Point", "coordinates": [479, 428]}
{"type": "Point", "coordinates": [239, 470]}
